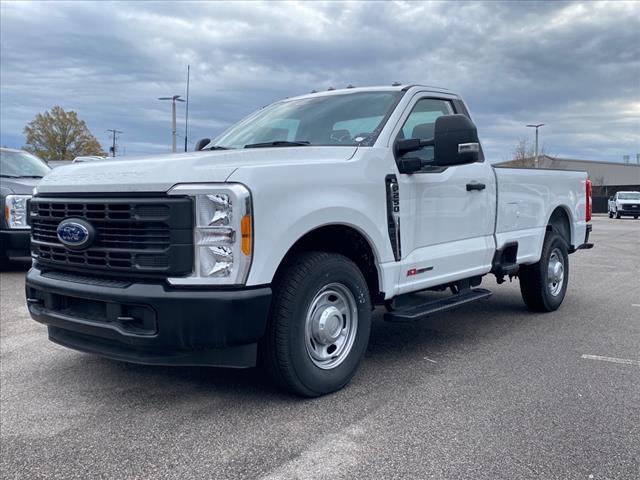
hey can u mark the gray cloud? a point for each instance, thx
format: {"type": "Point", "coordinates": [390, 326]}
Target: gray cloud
{"type": "Point", "coordinates": [573, 66]}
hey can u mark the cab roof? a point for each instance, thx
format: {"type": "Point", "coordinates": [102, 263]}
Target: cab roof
{"type": "Point", "coordinates": [386, 88]}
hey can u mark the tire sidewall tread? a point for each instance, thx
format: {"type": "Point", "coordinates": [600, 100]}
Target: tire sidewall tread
{"type": "Point", "coordinates": [533, 278]}
{"type": "Point", "coordinates": [294, 288]}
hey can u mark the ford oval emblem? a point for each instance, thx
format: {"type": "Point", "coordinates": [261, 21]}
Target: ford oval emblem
{"type": "Point", "coordinates": [75, 233]}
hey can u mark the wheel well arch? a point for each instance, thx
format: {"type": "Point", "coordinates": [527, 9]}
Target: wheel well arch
{"type": "Point", "coordinates": [345, 240]}
{"type": "Point", "coordinates": [560, 222]}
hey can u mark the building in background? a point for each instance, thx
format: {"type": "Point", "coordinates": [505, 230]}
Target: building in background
{"type": "Point", "coordinates": [607, 177]}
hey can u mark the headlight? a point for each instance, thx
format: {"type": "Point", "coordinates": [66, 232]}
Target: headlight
{"type": "Point", "coordinates": [16, 212]}
{"type": "Point", "coordinates": [223, 237]}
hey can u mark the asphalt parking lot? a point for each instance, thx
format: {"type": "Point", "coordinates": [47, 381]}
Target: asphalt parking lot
{"type": "Point", "coordinates": [489, 391]}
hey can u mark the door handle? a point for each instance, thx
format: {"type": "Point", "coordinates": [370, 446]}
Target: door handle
{"type": "Point", "coordinates": [475, 186]}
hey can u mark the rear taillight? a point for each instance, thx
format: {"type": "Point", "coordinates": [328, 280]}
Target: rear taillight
{"type": "Point", "coordinates": [587, 215]}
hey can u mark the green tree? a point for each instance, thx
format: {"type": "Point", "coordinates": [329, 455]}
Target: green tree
{"type": "Point", "coordinates": [60, 135]}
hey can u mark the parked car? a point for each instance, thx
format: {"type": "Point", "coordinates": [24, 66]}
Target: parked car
{"type": "Point", "coordinates": [274, 242]}
{"type": "Point", "coordinates": [59, 163]}
{"type": "Point", "coordinates": [20, 171]}
{"type": "Point", "coordinates": [624, 204]}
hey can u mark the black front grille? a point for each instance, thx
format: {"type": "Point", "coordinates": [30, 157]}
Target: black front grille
{"type": "Point", "coordinates": [111, 234]}
{"type": "Point", "coordinates": [141, 235]}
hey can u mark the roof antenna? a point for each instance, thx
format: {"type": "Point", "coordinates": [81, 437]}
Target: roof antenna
{"type": "Point", "coordinates": [396, 84]}
{"type": "Point", "coordinates": [330, 88]}
{"type": "Point", "coordinates": [313, 91]}
{"type": "Point", "coordinates": [350, 86]}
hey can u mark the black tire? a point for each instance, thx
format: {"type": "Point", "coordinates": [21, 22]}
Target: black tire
{"type": "Point", "coordinates": [635, 217]}
{"type": "Point", "coordinates": [284, 349]}
{"type": "Point", "coordinates": [534, 286]}
{"type": "Point", "coordinates": [618, 215]}
{"type": "Point", "coordinates": [610, 214]}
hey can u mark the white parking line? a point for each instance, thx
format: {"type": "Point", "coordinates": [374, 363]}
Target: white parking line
{"type": "Point", "coordinates": [635, 304]}
{"type": "Point", "coordinates": [624, 361]}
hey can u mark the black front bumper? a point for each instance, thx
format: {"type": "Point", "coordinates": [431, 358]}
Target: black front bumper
{"type": "Point", "coordinates": [15, 243]}
{"type": "Point", "coordinates": [627, 210]}
{"type": "Point", "coordinates": [150, 323]}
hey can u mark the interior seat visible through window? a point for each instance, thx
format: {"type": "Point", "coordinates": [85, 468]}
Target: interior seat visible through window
{"type": "Point", "coordinates": [423, 131]}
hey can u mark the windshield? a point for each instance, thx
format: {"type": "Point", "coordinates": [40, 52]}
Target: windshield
{"type": "Point", "coordinates": [629, 196]}
{"type": "Point", "coordinates": [21, 164]}
{"type": "Point", "coordinates": [345, 119]}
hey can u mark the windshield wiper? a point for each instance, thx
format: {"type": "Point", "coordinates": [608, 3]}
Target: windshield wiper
{"type": "Point", "coordinates": [8, 176]}
{"type": "Point", "coordinates": [278, 143]}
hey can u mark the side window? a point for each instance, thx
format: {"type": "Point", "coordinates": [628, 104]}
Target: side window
{"type": "Point", "coordinates": [421, 123]}
{"type": "Point", "coordinates": [422, 119]}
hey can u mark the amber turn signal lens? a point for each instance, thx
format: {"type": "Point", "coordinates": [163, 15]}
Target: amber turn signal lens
{"type": "Point", "coordinates": [245, 229]}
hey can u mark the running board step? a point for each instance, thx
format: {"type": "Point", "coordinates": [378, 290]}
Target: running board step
{"type": "Point", "coordinates": [423, 310]}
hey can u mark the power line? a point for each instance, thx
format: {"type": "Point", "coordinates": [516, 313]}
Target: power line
{"type": "Point", "coordinates": [114, 134]}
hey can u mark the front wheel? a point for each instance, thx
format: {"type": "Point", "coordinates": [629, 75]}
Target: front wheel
{"type": "Point", "coordinates": [618, 214]}
{"type": "Point", "coordinates": [543, 285]}
{"type": "Point", "coordinates": [610, 214]}
{"type": "Point", "coordinates": [319, 324]}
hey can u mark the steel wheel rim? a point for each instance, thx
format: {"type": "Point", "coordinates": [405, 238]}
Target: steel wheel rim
{"type": "Point", "coordinates": [331, 324]}
{"type": "Point", "coordinates": [555, 272]}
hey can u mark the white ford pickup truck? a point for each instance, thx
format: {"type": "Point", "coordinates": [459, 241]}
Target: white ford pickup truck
{"type": "Point", "coordinates": [273, 243]}
{"type": "Point", "coordinates": [624, 204]}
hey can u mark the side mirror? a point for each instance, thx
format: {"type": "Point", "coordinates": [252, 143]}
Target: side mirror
{"type": "Point", "coordinates": [456, 141]}
{"type": "Point", "coordinates": [408, 164]}
{"type": "Point", "coordinates": [202, 143]}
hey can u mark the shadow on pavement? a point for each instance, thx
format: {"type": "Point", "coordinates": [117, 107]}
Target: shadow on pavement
{"type": "Point", "coordinates": [17, 265]}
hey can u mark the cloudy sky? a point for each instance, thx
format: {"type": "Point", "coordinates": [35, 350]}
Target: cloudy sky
{"type": "Point", "coordinates": [574, 66]}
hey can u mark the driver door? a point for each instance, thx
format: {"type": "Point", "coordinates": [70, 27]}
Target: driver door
{"type": "Point", "coordinates": [446, 229]}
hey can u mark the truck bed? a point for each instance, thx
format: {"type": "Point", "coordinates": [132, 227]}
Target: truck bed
{"type": "Point", "coordinates": [526, 199]}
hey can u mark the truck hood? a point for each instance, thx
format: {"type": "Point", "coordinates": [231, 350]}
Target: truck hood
{"type": "Point", "coordinates": [628, 202]}
{"type": "Point", "coordinates": [21, 185]}
{"type": "Point", "coordinates": [159, 173]}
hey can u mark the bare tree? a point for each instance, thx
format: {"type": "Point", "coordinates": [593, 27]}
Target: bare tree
{"type": "Point", "coordinates": [524, 155]}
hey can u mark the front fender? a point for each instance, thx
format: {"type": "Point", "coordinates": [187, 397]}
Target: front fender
{"type": "Point", "coordinates": [273, 245]}
{"type": "Point", "coordinates": [289, 204]}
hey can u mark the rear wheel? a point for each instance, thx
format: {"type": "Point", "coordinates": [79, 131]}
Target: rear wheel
{"type": "Point", "coordinates": [319, 324]}
{"type": "Point", "coordinates": [610, 214]}
{"type": "Point", "coordinates": [635, 217]}
{"type": "Point", "coordinates": [544, 284]}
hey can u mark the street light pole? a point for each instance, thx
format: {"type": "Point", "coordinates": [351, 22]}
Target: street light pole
{"type": "Point", "coordinates": [536, 150]}
{"type": "Point", "coordinates": [186, 115]}
{"type": "Point", "coordinates": [174, 99]}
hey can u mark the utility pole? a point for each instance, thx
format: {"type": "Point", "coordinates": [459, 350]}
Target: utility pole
{"type": "Point", "coordinates": [186, 117]}
{"type": "Point", "coordinates": [114, 134]}
{"type": "Point", "coordinates": [174, 99]}
{"type": "Point", "coordinates": [536, 150]}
